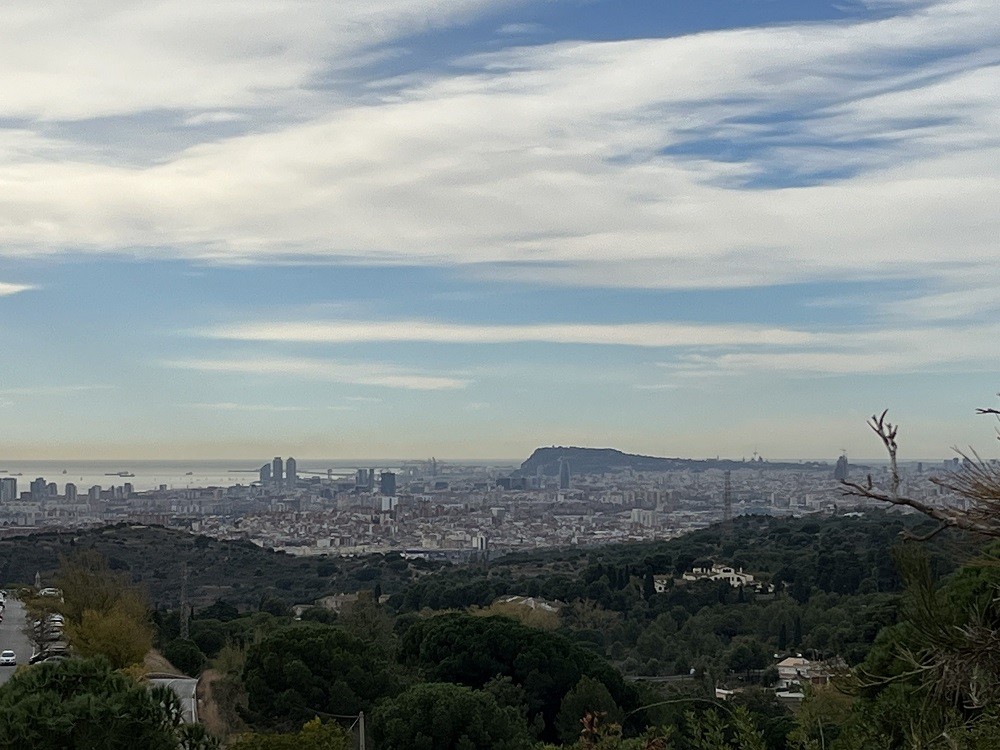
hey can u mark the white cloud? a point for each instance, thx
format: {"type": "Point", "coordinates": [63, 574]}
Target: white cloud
{"type": "Point", "coordinates": [97, 58]}
{"type": "Point", "coordinates": [52, 390]}
{"type": "Point", "coordinates": [7, 289]}
{"type": "Point", "coordinates": [370, 374]}
{"type": "Point", "coordinates": [231, 406]}
{"type": "Point", "coordinates": [549, 158]}
{"type": "Point", "coordinates": [213, 118]}
{"type": "Point", "coordinates": [625, 334]}
{"type": "Point", "coordinates": [275, 408]}
{"type": "Point", "coordinates": [960, 296]}
{"type": "Point", "coordinates": [874, 352]}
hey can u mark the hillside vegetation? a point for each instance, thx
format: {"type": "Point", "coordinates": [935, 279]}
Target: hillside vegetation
{"type": "Point", "coordinates": [444, 666]}
{"type": "Point", "coordinates": [238, 572]}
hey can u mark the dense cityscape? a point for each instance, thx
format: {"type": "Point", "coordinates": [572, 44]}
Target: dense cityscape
{"type": "Point", "coordinates": [434, 508]}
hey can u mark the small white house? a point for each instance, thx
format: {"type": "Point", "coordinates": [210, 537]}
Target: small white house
{"type": "Point", "coordinates": [733, 577]}
{"type": "Point", "coordinates": [798, 671]}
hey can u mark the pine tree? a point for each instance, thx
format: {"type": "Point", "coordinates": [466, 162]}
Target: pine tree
{"type": "Point", "coordinates": [648, 586]}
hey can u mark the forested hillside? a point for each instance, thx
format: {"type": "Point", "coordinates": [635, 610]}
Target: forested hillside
{"type": "Point", "coordinates": [835, 585]}
{"type": "Point", "coordinates": [446, 665]}
{"type": "Point", "coordinates": [240, 573]}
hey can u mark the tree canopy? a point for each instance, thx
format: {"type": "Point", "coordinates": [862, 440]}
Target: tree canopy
{"type": "Point", "coordinates": [295, 673]}
{"type": "Point", "coordinates": [84, 704]}
{"type": "Point", "coordinates": [314, 735]}
{"type": "Point", "coordinates": [473, 650]}
{"type": "Point", "coordinates": [444, 716]}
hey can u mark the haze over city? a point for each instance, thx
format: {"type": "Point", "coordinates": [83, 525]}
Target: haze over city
{"type": "Point", "coordinates": [461, 229]}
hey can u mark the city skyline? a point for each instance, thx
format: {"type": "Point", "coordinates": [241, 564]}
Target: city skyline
{"type": "Point", "coordinates": [385, 229]}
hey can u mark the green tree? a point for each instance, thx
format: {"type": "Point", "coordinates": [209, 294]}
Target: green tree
{"type": "Point", "coordinates": [648, 586]}
{"type": "Point", "coordinates": [84, 704]}
{"type": "Point", "coordinates": [117, 634]}
{"type": "Point", "coordinates": [314, 735]}
{"type": "Point", "coordinates": [746, 654]}
{"type": "Point", "coordinates": [366, 619]}
{"type": "Point", "coordinates": [185, 655]}
{"type": "Point", "coordinates": [443, 716]}
{"type": "Point", "coordinates": [588, 696]}
{"type": "Point", "coordinates": [295, 673]}
{"type": "Point", "coordinates": [473, 650]}
{"type": "Point", "coordinates": [937, 672]}
{"type": "Point", "coordinates": [819, 721]}
{"type": "Point", "coordinates": [105, 615]}
{"type": "Point", "coordinates": [710, 731]}
{"type": "Point", "coordinates": [88, 583]}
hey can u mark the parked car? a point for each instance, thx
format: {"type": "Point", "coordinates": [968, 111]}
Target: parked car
{"type": "Point", "coordinates": [8, 659]}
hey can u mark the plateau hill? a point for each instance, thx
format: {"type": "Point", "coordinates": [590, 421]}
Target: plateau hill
{"type": "Point", "coordinates": [606, 460]}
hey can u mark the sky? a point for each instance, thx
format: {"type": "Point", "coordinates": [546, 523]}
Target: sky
{"type": "Point", "coordinates": [468, 228]}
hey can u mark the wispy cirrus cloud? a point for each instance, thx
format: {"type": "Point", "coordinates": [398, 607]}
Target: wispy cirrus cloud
{"type": "Point", "coordinates": [7, 289]}
{"type": "Point", "coordinates": [270, 408]}
{"type": "Point", "coordinates": [233, 406]}
{"type": "Point", "coordinates": [886, 351]}
{"type": "Point", "coordinates": [354, 373]}
{"type": "Point", "coordinates": [120, 58]}
{"type": "Point", "coordinates": [625, 334]}
{"type": "Point", "coordinates": [804, 151]}
{"type": "Point", "coordinates": [53, 390]}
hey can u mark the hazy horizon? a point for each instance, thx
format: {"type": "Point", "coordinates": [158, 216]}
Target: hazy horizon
{"type": "Point", "coordinates": [328, 462]}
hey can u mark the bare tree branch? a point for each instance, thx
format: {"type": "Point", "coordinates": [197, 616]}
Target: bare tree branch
{"type": "Point", "coordinates": [910, 536]}
{"type": "Point", "coordinates": [977, 482]}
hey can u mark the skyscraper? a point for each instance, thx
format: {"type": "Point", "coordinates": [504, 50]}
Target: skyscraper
{"type": "Point", "coordinates": [564, 473]}
{"type": "Point", "coordinates": [265, 474]}
{"type": "Point", "coordinates": [387, 483]}
{"type": "Point", "coordinates": [291, 472]}
{"type": "Point", "coordinates": [840, 472]}
{"type": "Point", "coordinates": [70, 492]}
{"type": "Point", "coordinates": [8, 489]}
{"type": "Point", "coordinates": [277, 470]}
{"type": "Point", "coordinates": [38, 490]}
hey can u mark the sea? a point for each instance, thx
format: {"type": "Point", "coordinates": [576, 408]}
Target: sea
{"type": "Point", "coordinates": [149, 475]}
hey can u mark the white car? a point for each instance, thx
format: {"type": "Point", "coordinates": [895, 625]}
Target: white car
{"type": "Point", "coordinates": [8, 659]}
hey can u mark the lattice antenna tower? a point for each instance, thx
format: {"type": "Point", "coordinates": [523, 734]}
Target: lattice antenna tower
{"type": "Point", "coordinates": [727, 500]}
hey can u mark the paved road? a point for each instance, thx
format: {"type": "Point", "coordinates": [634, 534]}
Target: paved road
{"type": "Point", "coordinates": [12, 636]}
{"type": "Point", "coordinates": [185, 688]}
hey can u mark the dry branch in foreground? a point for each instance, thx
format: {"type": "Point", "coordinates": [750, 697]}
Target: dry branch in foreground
{"type": "Point", "coordinates": [977, 481]}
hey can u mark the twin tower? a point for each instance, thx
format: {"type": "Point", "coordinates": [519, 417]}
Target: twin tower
{"type": "Point", "coordinates": [278, 473]}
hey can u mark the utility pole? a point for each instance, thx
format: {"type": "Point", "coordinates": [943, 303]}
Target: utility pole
{"type": "Point", "coordinates": [185, 631]}
{"type": "Point", "coordinates": [361, 730]}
